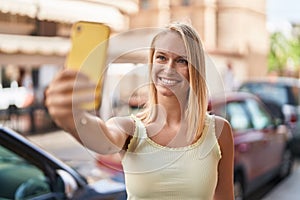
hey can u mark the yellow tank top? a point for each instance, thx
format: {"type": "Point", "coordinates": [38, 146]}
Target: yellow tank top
{"type": "Point", "coordinates": [153, 171]}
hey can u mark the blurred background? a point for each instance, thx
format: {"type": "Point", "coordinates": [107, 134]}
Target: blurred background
{"type": "Point", "coordinates": [244, 40]}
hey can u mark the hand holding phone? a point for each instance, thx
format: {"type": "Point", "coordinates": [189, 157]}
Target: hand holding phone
{"type": "Point", "coordinates": [88, 54]}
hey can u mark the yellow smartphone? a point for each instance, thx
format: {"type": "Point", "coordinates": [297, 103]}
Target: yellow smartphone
{"type": "Point", "coordinates": [88, 54]}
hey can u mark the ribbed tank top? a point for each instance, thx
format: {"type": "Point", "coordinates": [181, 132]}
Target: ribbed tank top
{"type": "Point", "coordinates": [153, 171]}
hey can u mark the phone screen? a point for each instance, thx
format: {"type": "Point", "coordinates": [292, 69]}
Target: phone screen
{"type": "Point", "coordinates": [88, 54]}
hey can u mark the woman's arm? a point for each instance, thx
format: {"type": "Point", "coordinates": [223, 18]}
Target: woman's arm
{"type": "Point", "coordinates": [64, 98]}
{"type": "Point", "coordinates": [224, 188]}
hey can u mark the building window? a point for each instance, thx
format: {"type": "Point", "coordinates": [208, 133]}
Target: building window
{"type": "Point", "coordinates": [144, 4]}
{"type": "Point", "coordinates": [185, 2]}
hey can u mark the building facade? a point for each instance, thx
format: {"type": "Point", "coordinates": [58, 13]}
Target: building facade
{"type": "Point", "coordinates": [34, 42]}
{"type": "Point", "coordinates": [35, 34]}
{"type": "Point", "coordinates": [232, 31]}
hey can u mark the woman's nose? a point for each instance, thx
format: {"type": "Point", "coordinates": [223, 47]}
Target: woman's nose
{"type": "Point", "coordinates": [170, 64]}
{"type": "Point", "coordinates": [170, 67]}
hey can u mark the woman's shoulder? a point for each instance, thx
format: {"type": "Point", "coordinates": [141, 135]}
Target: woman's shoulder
{"type": "Point", "coordinates": [124, 124]}
{"type": "Point", "coordinates": [221, 123]}
{"type": "Point", "coordinates": [223, 131]}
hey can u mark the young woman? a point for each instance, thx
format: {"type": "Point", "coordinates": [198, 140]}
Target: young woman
{"type": "Point", "coordinates": [171, 150]}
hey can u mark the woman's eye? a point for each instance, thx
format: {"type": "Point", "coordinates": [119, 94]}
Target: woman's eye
{"type": "Point", "coordinates": [159, 57]}
{"type": "Point", "coordinates": [182, 61]}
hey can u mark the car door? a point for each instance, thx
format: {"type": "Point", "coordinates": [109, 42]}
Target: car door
{"type": "Point", "coordinates": [273, 141]}
{"type": "Point", "coordinates": [26, 171]}
{"type": "Point", "coordinates": [20, 179]}
{"type": "Point", "coordinates": [249, 153]}
{"type": "Point", "coordinates": [29, 172]}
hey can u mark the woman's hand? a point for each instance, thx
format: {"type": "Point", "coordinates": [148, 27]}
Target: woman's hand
{"type": "Point", "coordinates": [65, 96]}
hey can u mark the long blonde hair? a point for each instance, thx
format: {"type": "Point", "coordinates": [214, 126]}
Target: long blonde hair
{"type": "Point", "coordinates": [197, 97]}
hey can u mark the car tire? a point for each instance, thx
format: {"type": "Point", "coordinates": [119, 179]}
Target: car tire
{"type": "Point", "coordinates": [239, 193]}
{"type": "Point", "coordinates": [286, 164]}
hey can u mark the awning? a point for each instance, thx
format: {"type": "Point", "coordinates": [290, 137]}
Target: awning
{"type": "Point", "coordinates": [13, 44]}
{"type": "Point", "coordinates": [71, 11]}
{"type": "Point", "coordinates": [33, 50]}
{"type": "Point", "coordinates": [126, 6]}
{"type": "Point", "coordinates": [67, 11]}
{"type": "Point", "coordinates": [21, 7]}
{"type": "Point", "coordinates": [131, 46]}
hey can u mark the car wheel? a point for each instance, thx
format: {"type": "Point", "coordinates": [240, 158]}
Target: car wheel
{"type": "Point", "coordinates": [238, 188]}
{"type": "Point", "coordinates": [287, 163]}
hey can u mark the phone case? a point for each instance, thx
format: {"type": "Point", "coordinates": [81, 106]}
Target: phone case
{"type": "Point", "coordinates": [88, 54]}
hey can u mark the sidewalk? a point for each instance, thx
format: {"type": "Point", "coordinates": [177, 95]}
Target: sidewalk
{"type": "Point", "coordinates": [287, 189]}
{"type": "Point", "coordinates": [63, 146]}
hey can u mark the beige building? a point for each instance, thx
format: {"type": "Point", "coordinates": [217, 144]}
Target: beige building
{"type": "Point", "coordinates": [34, 42]}
{"type": "Point", "coordinates": [34, 34]}
{"type": "Point", "coordinates": [232, 31]}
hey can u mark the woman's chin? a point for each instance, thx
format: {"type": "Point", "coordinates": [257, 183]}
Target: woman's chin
{"type": "Point", "coordinates": [164, 91]}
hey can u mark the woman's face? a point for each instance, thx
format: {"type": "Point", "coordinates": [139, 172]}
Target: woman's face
{"type": "Point", "coordinates": [170, 72]}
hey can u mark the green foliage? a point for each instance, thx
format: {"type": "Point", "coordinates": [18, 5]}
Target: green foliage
{"type": "Point", "coordinates": [295, 50]}
{"type": "Point", "coordinates": [283, 49]}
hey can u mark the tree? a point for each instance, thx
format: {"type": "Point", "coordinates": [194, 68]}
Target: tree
{"type": "Point", "coordinates": [284, 50]}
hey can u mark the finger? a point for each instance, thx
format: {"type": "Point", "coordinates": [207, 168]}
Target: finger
{"type": "Point", "coordinates": [70, 74]}
{"type": "Point", "coordinates": [67, 86]}
{"type": "Point", "coordinates": [71, 100]}
{"type": "Point", "coordinates": [58, 101]}
{"type": "Point", "coordinates": [59, 112]}
{"type": "Point", "coordinates": [83, 98]}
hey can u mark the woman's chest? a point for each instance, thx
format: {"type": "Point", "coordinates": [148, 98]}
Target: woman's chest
{"type": "Point", "coordinates": [174, 136]}
{"type": "Point", "coordinates": [185, 176]}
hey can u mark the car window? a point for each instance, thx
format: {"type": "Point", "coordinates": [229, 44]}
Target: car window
{"type": "Point", "coordinates": [20, 179]}
{"type": "Point", "coordinates": [295, 92]}
{"type": "Point", "coordinates": [259, 117]}
{"type": "Point", "coordinates": [268, 92]}
{"type": "Point", "coordinates": [237, 116]}
{"type": "Point", "coordinates": [219, 110]}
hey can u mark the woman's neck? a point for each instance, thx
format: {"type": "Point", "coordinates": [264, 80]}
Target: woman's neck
{"type": "Point", "coordinates": [173, 109]}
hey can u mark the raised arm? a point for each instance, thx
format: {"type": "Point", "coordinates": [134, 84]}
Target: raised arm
{"type": "Point", "coordinates": [64, 98]}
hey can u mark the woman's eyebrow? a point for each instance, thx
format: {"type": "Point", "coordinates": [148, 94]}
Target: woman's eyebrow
{"type": "Point", "coordinates": [160, 52]}
{"type": "Point", "coordinates": [167, 52]}
{"type": "Point", "coordinates": [183, 57]}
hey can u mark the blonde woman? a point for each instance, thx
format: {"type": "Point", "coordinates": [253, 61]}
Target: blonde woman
{"type": "Point", "coordinates": [171, 150]}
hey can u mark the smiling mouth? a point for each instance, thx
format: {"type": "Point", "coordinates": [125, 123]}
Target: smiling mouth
{"type": "Point", "coordinates": [168, 82]}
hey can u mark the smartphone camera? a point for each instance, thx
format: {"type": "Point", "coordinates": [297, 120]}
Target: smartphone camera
{"type": "Point", "coordinates": [78, 29]}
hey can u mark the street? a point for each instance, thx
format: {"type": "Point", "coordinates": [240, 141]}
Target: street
{"type": "Point", "coordinates": [288, 188]}
{"type": "Point", "coordinates": [281, 190]}
{"type": "Point", "coordinates": [65, 147]}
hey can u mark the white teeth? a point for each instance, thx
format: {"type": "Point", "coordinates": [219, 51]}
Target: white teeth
{"type": "Point", "coordinates": [168, 81]}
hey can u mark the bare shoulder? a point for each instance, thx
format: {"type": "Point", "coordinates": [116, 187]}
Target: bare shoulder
{"type": "Point", "coordinates": [223, 131]}
{"type": "Point", "coordinates": [121, 125]}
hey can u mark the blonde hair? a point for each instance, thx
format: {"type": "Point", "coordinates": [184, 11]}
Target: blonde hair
{"type": "Point", "coordinates": [197, 97]}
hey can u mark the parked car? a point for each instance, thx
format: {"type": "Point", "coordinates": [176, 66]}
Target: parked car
{"type": "Point", "coordinates": [111, 164]}
{"type": "Point", "coordinates": [285, 92]}
{"type": "Point", "coordinates": [261, 142]}
{"type": "Point", "coordinates": [29, 172]}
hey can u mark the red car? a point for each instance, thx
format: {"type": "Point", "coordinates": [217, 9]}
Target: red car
{"type": "Point", "coordinates": [262, 148]}
{"type": "Point", "coordinates": [284, 92]}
